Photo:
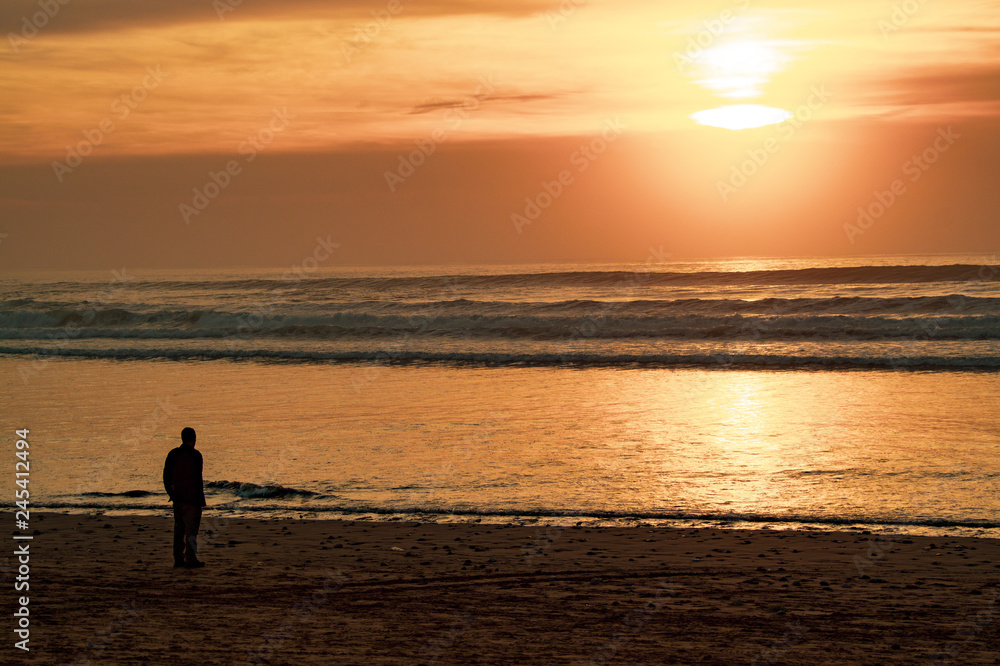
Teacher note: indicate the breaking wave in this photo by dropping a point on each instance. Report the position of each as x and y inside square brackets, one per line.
[944, 318]
[254, 491]
[717, 360]
[578, 317]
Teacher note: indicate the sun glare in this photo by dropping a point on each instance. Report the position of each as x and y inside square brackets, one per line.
[741, 116]
[739, 69]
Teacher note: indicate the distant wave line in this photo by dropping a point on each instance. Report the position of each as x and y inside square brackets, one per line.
[720, 360]
[787, 276]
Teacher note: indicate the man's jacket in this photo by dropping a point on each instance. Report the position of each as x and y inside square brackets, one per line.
[183, 471]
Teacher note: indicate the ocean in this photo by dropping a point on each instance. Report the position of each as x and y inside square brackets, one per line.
[852, 393]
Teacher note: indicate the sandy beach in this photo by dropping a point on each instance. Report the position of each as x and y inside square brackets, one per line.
[103, 591]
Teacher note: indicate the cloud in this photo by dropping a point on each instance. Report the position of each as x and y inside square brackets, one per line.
[943, 86]
[465, 101]
[104, 15]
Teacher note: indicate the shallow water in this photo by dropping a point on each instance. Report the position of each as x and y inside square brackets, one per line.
[896, 450]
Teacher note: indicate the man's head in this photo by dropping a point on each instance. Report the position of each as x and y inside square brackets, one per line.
[188, 436]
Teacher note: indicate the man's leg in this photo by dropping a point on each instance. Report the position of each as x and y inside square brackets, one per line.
[192, 520]
[178, 533]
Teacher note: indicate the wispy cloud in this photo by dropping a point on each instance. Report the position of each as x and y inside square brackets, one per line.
[463, 102]
[108, 15]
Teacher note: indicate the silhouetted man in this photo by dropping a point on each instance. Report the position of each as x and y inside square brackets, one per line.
[183, 482]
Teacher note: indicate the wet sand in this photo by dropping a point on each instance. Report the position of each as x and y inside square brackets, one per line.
[103, 591]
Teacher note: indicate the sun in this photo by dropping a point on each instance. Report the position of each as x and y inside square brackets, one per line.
[741, 116]
[740, 70]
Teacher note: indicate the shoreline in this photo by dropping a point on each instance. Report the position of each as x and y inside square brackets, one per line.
[952, 529]
[331, 591]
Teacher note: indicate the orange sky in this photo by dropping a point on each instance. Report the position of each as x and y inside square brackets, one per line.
[544, 131]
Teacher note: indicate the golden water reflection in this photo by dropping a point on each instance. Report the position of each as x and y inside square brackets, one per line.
[595, 440]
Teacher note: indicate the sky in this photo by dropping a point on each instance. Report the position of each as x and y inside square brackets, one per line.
[205, 134]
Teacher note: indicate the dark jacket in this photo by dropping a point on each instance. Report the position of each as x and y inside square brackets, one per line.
[182, 470]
